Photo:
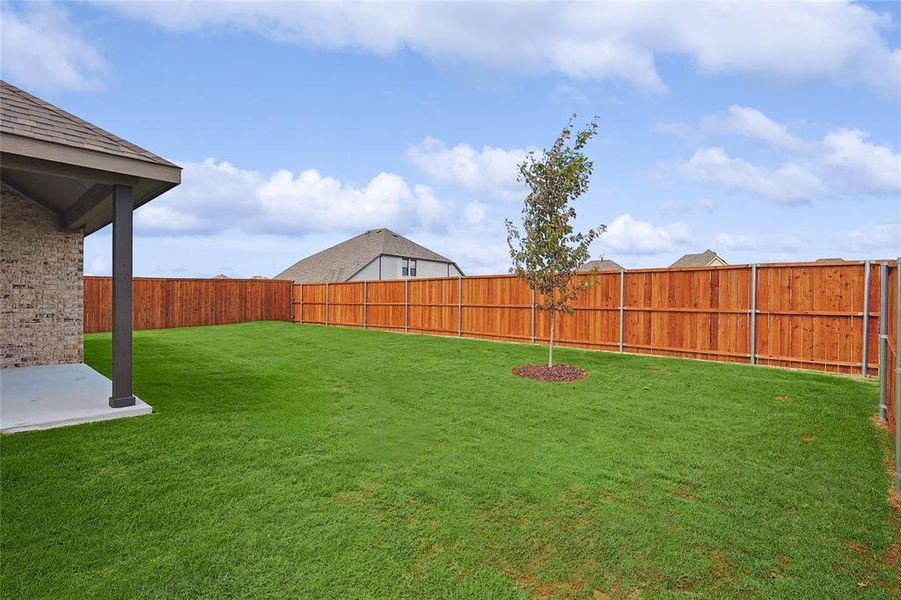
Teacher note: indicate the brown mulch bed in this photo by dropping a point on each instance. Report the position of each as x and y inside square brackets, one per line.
[560, 372]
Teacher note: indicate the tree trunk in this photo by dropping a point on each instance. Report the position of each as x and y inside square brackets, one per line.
[550, 346]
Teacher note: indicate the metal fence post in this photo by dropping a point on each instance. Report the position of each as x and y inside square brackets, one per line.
[898, 385]
[866, 318]
[365, 293]
[406, 304]
[752, 315]
[622, 308]
[883, 340]
[460, 306]
[326, 303]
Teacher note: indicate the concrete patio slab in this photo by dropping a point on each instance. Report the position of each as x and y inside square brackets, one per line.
[57, 395]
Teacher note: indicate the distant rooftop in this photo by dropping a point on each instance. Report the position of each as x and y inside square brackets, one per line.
[601, 265]
[342, 261]
[701, 259]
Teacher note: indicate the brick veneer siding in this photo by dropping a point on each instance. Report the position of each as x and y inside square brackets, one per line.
[41, 285]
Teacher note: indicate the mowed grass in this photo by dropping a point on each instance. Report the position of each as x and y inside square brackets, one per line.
[287, 460]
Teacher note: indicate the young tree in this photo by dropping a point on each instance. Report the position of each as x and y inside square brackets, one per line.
[547, 254]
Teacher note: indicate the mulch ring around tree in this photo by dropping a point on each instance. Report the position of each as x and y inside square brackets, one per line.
[560, 372]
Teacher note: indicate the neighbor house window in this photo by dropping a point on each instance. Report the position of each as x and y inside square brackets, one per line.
[409, 267]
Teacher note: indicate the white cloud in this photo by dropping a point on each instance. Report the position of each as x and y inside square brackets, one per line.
[98, 265]
[42, 50]
[871, 238]
[474, 214]
[861, 166]
[477, 254]
[843, 162]
[750, 122]
[840, 41]
[781, 243]
[791, 182]
[490, 170]
[214, 197]
[628, 235]
[686, 208]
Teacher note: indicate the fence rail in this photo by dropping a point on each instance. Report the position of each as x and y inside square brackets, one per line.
[161, 303]
[819, 316]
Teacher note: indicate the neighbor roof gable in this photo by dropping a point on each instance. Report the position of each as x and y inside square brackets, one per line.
[342, 261]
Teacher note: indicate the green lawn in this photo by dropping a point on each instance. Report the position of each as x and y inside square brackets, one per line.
[288, 460]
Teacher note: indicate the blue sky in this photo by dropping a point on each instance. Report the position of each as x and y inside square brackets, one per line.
[767, 132]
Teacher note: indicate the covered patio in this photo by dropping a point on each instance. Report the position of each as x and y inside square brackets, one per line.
[62, 179]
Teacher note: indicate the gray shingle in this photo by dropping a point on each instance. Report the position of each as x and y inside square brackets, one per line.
[28, 116]
[601, 265]
[701, 259]
[342, 261]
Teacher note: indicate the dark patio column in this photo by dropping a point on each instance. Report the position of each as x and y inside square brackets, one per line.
[122, 230]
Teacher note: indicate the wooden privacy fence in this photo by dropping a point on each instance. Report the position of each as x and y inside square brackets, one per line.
[161, 303]
[821, 316]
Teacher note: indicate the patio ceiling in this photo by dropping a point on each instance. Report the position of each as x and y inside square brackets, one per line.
[70, 166]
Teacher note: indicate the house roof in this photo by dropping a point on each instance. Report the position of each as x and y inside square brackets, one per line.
[701, 259]
[71, 166]
[28, 116]
[601, 265]
[342, 261]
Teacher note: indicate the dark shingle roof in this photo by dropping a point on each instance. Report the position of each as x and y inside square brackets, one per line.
[342, 261]
[601, 265]
[701, 259]
[28, 116]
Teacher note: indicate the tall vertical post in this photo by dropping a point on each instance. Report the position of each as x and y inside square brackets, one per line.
[622, 309]
[365, 294]
[752, 315]
[532, 326]
[406, 304]
[898, 384]
[300, 293]
[459, 306]
[326, 303]
[123, 205]
[866, 318]
[883, 341]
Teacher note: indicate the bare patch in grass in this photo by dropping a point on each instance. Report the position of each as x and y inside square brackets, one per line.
[685, 490]
[358, 496]
[784, 399]
[808, 438]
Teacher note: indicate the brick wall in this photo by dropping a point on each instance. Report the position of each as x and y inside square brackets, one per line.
[41, 285]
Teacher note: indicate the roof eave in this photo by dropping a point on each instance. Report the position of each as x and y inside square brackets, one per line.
[64, 154]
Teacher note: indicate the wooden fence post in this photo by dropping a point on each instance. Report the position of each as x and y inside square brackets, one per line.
[365, 293]
[752, 314]
[883, 340]
[866, 318]
[406, 304]
[532, 335]
[460, 306]
[622, 308]
[326, 303]
[301, 301]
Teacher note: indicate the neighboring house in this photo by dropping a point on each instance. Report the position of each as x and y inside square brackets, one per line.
[63, 179]
[376, 254]
[707, 258]
[600, 265]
